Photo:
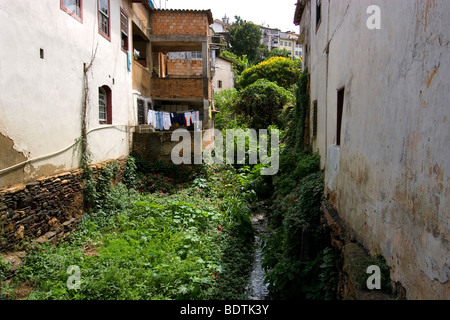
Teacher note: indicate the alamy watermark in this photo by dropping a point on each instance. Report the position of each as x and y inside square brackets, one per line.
[74, 280]
[374, 20]
[374, 281]
[236, 151]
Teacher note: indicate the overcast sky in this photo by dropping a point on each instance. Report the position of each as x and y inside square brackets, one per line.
[275, 13]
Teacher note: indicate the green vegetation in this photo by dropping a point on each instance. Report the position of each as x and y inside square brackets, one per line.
[283, 71]
[361, 266]
[297, 256]
[275, 52]
[194, 243]
[171, 232]
[245, 39]
[262, 102]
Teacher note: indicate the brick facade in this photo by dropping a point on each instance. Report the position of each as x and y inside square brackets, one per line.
[184, 67]
[174, 88]
[180, 22]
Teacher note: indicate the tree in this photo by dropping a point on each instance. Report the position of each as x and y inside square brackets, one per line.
[239, 63]
[225, 102]
[245, 39]
[283, 71]
[262, 102]
[275, 52]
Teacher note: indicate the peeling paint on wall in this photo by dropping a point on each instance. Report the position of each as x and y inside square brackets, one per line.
[10, 156]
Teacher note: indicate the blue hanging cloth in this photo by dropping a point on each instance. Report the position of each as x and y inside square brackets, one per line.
[129, 61]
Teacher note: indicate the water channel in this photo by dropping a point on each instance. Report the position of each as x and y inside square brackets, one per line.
[257, 289]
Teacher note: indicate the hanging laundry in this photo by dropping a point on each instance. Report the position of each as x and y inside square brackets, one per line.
[166, 120]
[173, 118]
[196, 120]
[129, 61]
[159, 121]
[151, 118]
[181, 119]
[188, 116]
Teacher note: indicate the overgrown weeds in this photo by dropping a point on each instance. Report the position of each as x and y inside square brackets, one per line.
[144, 243]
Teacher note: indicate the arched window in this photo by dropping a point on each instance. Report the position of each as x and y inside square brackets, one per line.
[104, 105]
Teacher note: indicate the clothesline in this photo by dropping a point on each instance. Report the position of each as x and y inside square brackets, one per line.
[162, 120]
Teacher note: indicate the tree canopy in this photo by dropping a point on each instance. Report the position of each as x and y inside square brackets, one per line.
[245, 39]
[262, 101]
[283, 71]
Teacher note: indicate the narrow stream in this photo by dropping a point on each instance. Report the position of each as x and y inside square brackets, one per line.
[257, 289]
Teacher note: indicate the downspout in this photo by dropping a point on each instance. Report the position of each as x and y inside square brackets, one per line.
[327, 50]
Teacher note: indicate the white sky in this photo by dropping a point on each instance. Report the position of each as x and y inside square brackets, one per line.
[275, 13]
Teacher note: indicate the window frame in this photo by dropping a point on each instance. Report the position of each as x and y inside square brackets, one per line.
[141, 111]
[100, 31]
[318, 13]
[79, 18]
[127, 45]
[339, 114]
[108, 106]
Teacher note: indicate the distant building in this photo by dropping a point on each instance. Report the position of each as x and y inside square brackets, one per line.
[270, 37]
[223, 74]
[220, 32]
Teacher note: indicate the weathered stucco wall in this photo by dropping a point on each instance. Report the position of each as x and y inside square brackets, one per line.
[41, 99]
[390, 177]
[224, 73]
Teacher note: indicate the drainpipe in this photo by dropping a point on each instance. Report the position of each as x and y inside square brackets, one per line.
[327, 50]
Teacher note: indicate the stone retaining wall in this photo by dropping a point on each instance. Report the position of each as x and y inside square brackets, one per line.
[46, 209]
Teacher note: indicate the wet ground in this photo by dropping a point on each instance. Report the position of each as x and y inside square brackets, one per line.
[258, 289]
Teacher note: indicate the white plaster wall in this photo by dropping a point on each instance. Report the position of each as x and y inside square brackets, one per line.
[41, 99]
[392, 185]
[224, 73]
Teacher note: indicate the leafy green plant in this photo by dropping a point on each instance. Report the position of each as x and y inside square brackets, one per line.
[361, 275]
[284, 72]
[262, 101]
[151, 246]
[130, 172]
[153, 182]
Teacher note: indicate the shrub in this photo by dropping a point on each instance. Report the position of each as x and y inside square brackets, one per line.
[282, 71]
[262, 102]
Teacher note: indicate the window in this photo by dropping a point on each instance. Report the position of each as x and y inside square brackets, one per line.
[73, 8]
[141, 111]
[219, 83]
[196, 55]
[340, 110]
[103, 19]
[290, 44]
[104, 105]
[315, 119]
[318, 13]
[124, 30]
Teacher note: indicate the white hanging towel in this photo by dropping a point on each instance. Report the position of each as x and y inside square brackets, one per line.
[196, 120]
[167, 123]
[151, 118]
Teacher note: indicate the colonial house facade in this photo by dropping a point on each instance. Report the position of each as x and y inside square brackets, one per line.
[223, 77]
[61, 54]
[107, 56]
[72, 71]
[379, 91]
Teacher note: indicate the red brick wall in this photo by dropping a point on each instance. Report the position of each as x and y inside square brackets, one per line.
[184, 67]
[180, 23]
[177, 88]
